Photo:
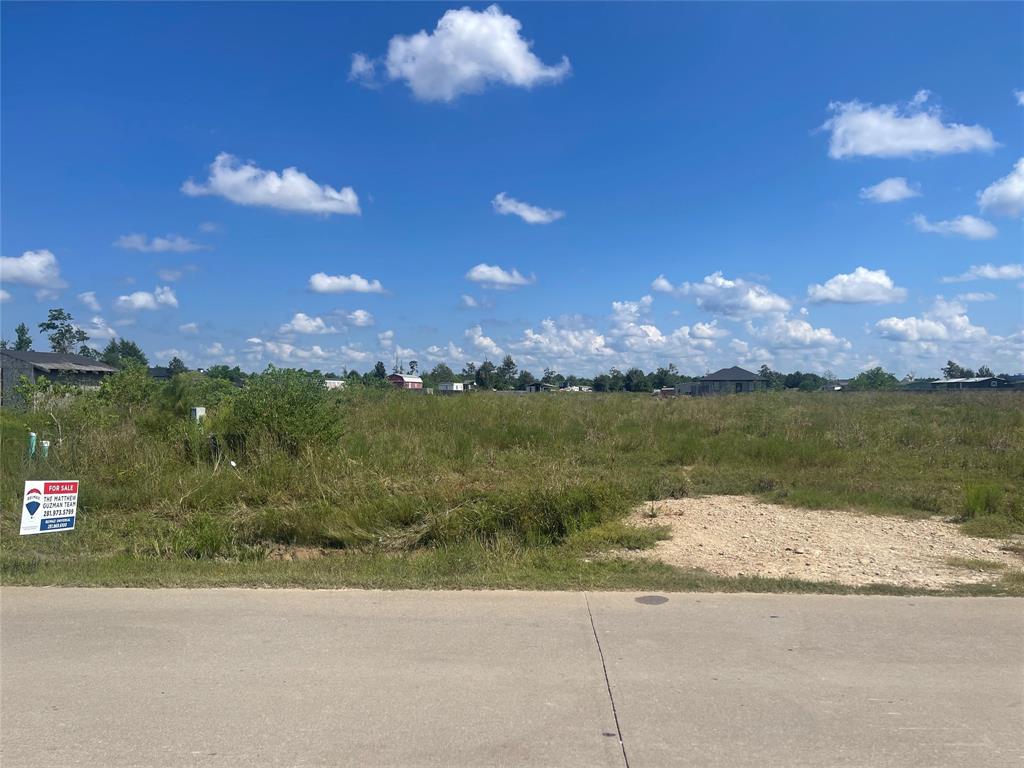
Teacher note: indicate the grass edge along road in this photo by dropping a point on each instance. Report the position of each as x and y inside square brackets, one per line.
[397, 490]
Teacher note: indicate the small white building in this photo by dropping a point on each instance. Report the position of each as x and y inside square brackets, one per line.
[334, 383]
[450, 387]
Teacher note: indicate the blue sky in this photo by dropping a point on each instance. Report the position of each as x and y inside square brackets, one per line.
[580, 186]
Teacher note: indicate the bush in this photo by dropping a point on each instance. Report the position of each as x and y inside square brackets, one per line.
[292, 407]
[981, 499]
[187, 390]
[129, 389]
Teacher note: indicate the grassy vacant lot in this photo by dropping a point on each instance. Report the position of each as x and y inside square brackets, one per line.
[481, 490]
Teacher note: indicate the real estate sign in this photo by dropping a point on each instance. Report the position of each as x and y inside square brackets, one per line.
[49, 506]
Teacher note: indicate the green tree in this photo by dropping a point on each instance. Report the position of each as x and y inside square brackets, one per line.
[616, 380]
[61, 331]
[176, 366]
[235, 375]
[485, 375]
[954, 371]
[985, 371]
[24, 341]
[775, 380]
[506, 373]
[524, 379]
[441, 372]
[636, 381]
[379, 371]
[876, 378]
[469, 372]
[123, 352]
[414, 366]
[664, 377]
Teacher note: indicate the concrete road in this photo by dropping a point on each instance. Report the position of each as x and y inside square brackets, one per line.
[250, 678]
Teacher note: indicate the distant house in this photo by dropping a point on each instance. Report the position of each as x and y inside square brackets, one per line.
[78, 370]
[160, 373]
[405, 381]
[665, 392]
[837, 385]
[917, 385]
[540, 386]
[977, 382]
[450, 387]
[728, 381]
[576, 388]
[335, 383]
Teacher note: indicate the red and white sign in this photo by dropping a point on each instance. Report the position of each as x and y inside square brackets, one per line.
[49, 506]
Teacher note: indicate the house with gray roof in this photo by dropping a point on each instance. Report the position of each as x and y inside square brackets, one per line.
[77, 370]
[726, 381]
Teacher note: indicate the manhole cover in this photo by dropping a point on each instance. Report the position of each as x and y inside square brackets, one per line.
[652, 599]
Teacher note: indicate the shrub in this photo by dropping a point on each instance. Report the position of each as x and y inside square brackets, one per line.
[981, 499]
[128, 389]
[292, 407]
[187, 390]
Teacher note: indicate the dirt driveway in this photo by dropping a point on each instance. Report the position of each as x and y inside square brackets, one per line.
[740, 535]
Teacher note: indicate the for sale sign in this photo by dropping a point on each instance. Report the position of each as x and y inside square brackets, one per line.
[49, 505]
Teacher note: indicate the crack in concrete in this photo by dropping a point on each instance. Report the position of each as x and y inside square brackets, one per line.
[607, 682]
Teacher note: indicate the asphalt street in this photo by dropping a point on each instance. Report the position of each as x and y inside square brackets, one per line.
[232, 677]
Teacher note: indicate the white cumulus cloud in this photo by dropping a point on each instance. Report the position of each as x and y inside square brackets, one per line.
[731, 298]
[162, 296]
[945, 321]
[99, 329]
[189, 328]
[495, 277]
[452, 353]
[36, 268]
[890, 190]
[988, 272]
[482, 343]
[531, 214]
[1005, 196]
[4, 296]
[780, 332]
[88, 298]
[976, 296]
[303, 323]
[363, 70]
[169, 243]
[967, 226]
[467, 51]
[862, 286]
[564, 343]
[324, 283]
[290, 190]
[899, 130]
[359, 318]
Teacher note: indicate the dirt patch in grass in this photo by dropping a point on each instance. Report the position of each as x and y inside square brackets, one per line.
[742, 536]
[286, 552]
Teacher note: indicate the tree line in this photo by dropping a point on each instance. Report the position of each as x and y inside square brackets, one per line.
[66, 337]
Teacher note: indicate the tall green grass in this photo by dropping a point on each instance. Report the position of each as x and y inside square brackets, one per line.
[397, 472]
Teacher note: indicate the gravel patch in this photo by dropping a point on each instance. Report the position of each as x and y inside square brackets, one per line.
[742, 536]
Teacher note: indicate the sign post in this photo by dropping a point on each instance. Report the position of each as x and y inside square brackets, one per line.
[49, 506]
